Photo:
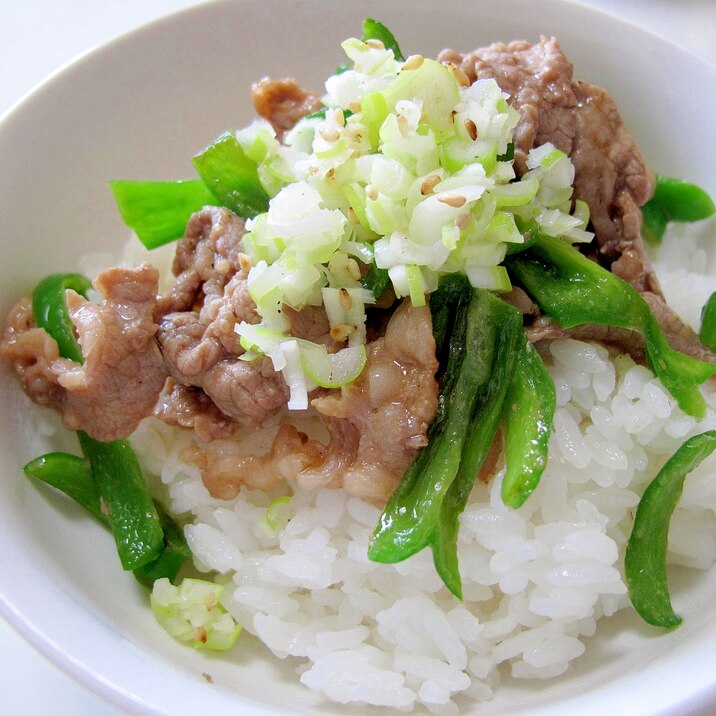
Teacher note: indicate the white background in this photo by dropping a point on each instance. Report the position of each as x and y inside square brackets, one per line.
[39, 36]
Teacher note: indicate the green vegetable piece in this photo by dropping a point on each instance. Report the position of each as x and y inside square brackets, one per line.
[50, 310]
[674, 200]
[707, 332]
[72, 475]
[173, 555]
[158, 211]
[191, 612]
[408, 522]
[114, 466]
[574, 290]
[501, 330]
[528, 415]
[130, 510]
[375, 30]
[509, 155]
[232, 177]
[476, 335]
[645, 559]
[376, 280]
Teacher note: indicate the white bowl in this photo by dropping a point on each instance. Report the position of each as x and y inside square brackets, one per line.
[140, 108]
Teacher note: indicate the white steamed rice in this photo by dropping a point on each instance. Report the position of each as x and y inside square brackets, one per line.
[535, 580]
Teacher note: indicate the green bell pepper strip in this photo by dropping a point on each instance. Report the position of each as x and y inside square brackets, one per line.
[69, 474]
[232, 177]
[707, 331]
[528, 418]
[645, 559]
[674, 200]
[130, 510]
[478, 334]
[574, 290]
[408, 522]
[173, 556]
[158, 211]
[375, 30]
[500, 333]
[73, 476]
[376, 280]
[50, 310]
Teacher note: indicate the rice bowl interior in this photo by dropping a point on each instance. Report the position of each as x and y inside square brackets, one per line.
[97, 627]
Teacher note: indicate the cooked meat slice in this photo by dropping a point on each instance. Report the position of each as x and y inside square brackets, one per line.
[192, 408]
[225, 466]
[246, 391]
[283, 102]
[390, 406]
[207, 257]
[310, 323]
[123, 372]
[611, 176]
[538, 79]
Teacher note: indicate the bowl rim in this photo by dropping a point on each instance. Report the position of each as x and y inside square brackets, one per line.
[21, 619]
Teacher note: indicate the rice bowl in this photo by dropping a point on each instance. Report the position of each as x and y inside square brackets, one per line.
[214, 668]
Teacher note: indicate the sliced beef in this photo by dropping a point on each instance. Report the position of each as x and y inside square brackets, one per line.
[192, 408]
[248, 392]
[389, 408]
[283, 102]
[123, 371]
[538, 79]
[610, 173]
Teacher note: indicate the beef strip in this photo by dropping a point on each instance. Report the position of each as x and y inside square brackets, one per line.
[197, 321]
[610, 172]
[376, 425]
[123, 372]
[283, 102]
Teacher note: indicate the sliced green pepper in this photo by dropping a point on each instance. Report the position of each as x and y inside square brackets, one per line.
[232, 177]
[528, 414]
[674, 200]
[501, 329]
[69, 474]
[476, 335]
[375, 30]
[129, 508]
[50, 310]
[707, 332]
[645, 559]
[158, 211]
[574, 290]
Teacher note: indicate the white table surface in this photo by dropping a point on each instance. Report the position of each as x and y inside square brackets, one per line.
[42, 35]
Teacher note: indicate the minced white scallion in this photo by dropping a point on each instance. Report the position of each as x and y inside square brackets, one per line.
[408, 171]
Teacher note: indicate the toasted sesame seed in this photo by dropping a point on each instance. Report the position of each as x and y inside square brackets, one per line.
[371, 192]
[244, 262]
[413, 62]
[471, 128]
[352, 216]
[462, 221]
[354, 106]
[353, 268]
[330, 173]
[454, 200]
[330, 135]
[223, 266]
[429, 183]
[340, 117]
[345, 299]
[200, 634]
[460, 77]
[341, 331]
[375, 44]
